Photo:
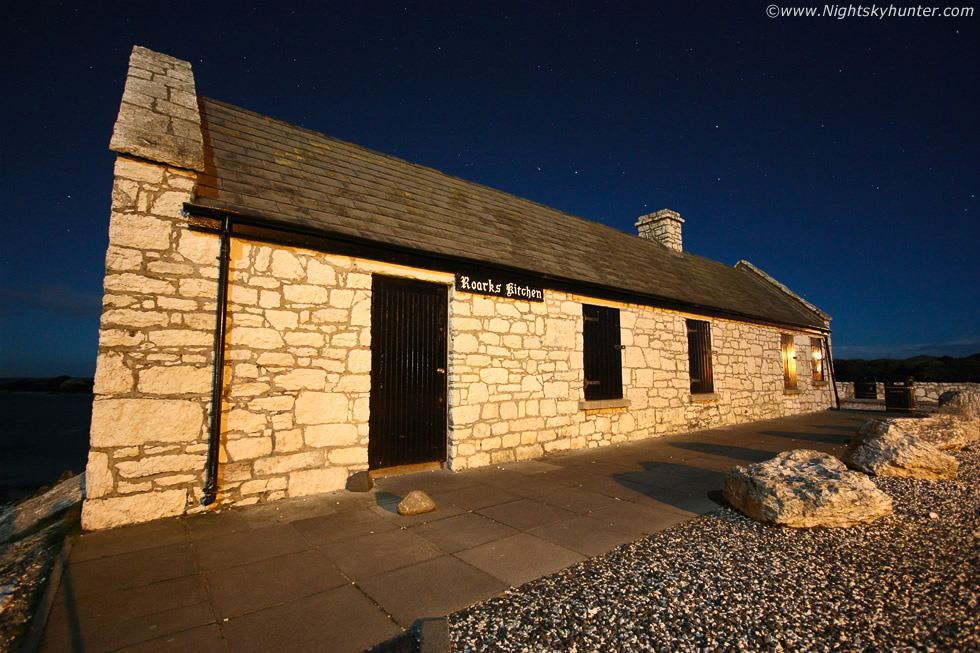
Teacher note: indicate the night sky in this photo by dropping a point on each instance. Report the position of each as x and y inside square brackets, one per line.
[838, 155]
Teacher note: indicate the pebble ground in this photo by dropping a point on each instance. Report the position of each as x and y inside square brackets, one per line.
[723, 582]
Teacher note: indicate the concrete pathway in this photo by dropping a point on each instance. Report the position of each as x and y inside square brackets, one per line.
[343, 571]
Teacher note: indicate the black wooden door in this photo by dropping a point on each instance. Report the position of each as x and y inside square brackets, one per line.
[408, 372]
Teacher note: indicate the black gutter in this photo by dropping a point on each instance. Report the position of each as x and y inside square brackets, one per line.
[833, 374]
[264, 228]
[218, 374]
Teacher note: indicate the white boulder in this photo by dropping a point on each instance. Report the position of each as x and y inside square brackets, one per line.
[960, 402]
[805, 489]
[882, 448]
[942, 430]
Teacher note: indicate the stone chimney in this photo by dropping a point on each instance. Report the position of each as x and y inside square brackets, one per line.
[664, 227]
[158, 117]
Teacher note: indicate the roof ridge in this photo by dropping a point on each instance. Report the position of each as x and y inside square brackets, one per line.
[777, 285]
[442, 173]
[297, 176]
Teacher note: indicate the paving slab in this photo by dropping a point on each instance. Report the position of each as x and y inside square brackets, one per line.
[285, 511]
[214, 524]
[343, 571]
[342, 620]
[525, 485]
[86, 627]
[441, 479]
[434, 587]
[648, 518]
[525, 514]
[520, 558]
[99, 544]
[575, 499]
[340, 526]
[569, 476]
[587, 535]
[699, 503]
[377, 553]
[474, 497]
[246, 546]
[663, 474]
[125, 570]
[239, 590]
[611, 487]
[530, 467]
[463, 531]
[144, 600]
[202, 638]
[600, 467]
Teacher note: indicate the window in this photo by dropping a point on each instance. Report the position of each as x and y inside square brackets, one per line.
[789, 362]
[603, 357]
[699, 356]
[817, 353]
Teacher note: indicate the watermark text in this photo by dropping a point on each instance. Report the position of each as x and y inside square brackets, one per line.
[841, 12]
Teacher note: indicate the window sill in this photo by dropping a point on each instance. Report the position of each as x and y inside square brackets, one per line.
[819, 384]
[600, 404]
[704, 397]
[788, 392]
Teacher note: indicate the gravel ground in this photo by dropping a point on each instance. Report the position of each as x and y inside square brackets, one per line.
[907, 582]
[24, 566]
[42, 522]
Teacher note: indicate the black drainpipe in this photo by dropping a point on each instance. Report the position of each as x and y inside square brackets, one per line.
[218, 374]
[833, 373]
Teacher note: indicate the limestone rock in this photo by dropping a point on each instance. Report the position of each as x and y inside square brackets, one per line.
[805, 489]
[960, 402]
[26, 514]
[943, 431]
[360, 482]
[882, 448]
[416, 503]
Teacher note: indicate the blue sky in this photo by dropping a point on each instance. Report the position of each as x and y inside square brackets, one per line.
[838, 155]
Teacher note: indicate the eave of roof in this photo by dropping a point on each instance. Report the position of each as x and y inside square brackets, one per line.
[305, 182]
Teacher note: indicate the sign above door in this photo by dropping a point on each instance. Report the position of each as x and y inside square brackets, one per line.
[494, 286]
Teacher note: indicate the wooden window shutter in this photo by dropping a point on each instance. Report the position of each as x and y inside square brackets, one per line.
[603, 353]
[699, 356]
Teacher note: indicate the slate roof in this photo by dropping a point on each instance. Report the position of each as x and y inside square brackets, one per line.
[263, 167]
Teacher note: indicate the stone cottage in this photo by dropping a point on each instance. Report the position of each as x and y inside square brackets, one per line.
[283, 310]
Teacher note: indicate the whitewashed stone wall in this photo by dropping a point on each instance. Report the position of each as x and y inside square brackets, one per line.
[924, 391]
[517, 375]
[297, 377]
[152, 379]
[296, 399]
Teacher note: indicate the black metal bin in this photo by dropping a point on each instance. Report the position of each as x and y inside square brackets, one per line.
[900, 395]
[865, 390]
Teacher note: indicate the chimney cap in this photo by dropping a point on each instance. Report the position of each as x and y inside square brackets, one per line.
[664, 227]
[656, 216]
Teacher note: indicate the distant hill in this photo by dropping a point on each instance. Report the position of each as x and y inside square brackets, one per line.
[942, 369]
[61, 384]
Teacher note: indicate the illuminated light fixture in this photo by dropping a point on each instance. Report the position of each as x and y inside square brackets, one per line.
[817, 353]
